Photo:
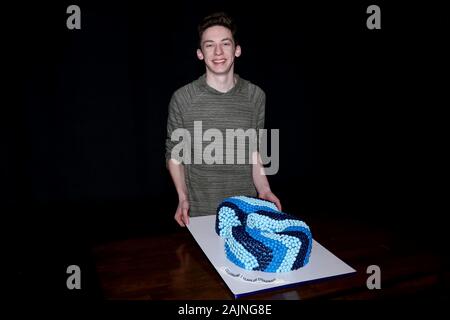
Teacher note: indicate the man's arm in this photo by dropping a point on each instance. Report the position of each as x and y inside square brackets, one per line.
[173, 164]
[176, 170]
[260, 181]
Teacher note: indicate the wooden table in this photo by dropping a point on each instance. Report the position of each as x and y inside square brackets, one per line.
[171, 266]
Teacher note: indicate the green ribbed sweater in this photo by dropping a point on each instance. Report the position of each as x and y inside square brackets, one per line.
[242, 107]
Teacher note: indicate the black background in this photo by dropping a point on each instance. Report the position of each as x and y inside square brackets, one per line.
[357, 111]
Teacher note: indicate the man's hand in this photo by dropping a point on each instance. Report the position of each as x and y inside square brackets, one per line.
[182, 214]
[269, 196]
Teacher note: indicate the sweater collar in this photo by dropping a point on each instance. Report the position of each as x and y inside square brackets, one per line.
[206, 87]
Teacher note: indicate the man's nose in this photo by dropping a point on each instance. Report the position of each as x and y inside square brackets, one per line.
[218, 50]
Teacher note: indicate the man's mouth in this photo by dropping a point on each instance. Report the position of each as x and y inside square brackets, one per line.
[220, 61]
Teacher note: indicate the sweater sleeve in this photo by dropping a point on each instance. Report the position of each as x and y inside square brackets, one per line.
[174, 121]
[260, 110]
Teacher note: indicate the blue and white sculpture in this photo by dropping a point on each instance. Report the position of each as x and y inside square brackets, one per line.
[260, 237]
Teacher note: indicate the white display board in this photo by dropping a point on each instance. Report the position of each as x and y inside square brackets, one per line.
[322, 263]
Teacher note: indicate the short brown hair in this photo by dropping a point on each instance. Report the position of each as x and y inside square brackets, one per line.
[217, 19]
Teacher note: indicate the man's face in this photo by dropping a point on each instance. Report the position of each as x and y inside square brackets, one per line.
[218, 50]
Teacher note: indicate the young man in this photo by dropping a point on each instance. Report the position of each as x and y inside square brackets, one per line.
[218, 100]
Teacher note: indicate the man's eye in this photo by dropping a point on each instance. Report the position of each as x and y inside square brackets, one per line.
[208, 45]
[226, 44]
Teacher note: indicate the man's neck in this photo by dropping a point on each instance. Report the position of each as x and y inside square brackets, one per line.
[222, 83]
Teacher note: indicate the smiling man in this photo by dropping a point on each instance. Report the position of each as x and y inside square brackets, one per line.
[219, 100]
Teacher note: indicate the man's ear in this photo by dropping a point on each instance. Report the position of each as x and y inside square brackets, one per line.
[238, 51]
[200, 54]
